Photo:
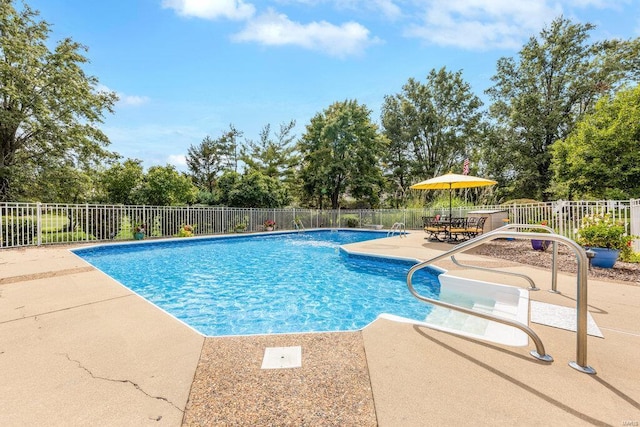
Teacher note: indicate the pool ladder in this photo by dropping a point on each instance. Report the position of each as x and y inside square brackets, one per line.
[397, 226]
[504, 232]
[298, 225]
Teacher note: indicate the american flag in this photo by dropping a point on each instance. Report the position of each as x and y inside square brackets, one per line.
[465, 167]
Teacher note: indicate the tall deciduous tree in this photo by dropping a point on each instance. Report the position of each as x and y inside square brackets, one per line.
[601, 158]
[122, 180]
[341, 152]
[431, 127]
[254, 190]
[539, 97]
[165, 186]
[48, 106]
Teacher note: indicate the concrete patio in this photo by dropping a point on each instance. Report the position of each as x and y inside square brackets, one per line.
[77, 348]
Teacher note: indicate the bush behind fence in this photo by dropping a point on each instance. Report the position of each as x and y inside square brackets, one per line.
[25, 224]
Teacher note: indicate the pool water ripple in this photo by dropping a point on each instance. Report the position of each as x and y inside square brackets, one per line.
[281, 283]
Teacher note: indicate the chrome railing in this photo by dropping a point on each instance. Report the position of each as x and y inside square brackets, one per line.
[397, 227]
[298, 225]
[581, 304]
[532, 284]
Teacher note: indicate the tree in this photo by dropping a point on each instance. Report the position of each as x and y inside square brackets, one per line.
[273, 158]
[431, 127]
[49, 107]
[122, 180]
[57, 180]
[227, 183]
[165, 186]
[341, 152]
[255, 190]
[212, 157]
[539, 98]
[63, 183]
[600, 158]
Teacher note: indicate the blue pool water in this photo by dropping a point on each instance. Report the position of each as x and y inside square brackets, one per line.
[262, 284]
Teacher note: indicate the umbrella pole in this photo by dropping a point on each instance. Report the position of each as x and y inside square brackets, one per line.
[450, 209]
[450, 214]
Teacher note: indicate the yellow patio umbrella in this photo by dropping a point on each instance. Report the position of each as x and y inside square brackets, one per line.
[452, 181]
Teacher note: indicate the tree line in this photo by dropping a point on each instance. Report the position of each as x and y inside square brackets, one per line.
[563, 123]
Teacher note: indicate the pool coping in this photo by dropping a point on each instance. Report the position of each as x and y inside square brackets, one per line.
[135, 365]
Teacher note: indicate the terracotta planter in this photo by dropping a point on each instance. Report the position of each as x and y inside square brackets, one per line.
[540, 245]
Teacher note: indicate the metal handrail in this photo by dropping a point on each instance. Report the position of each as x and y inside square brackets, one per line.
[297, 224]
[532, 284]
[397, 226]
[581, 301]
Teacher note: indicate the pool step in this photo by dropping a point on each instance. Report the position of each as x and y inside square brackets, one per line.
[500, 300]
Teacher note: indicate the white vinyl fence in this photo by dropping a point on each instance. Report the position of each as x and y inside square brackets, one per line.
[635, 223]
[25, 224]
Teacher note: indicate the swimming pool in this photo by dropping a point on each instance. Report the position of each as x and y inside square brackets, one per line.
[264, 284]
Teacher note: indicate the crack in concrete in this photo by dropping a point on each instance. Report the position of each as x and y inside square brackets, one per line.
[35, 316]
[45, 275]
[135, 385]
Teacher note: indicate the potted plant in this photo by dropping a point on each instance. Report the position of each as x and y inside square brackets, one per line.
[269, 224]
[604, 236]
[139, 231]
[539, 244]
[186, 230]
[240, 227]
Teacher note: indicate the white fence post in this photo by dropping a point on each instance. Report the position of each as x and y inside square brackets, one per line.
[635, 222]
[39, 222]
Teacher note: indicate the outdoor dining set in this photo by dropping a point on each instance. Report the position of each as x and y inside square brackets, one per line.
[446, 229]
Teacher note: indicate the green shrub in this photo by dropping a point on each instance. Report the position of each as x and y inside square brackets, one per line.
[68, 236]
[628, 255]
[352, 222]
[17, 231]
[601, 231]
[186, 230]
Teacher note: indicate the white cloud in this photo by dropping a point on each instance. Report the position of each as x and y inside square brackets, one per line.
[594, 3]
[478, 24]
[388, 8]
[482, 24]
[177, 160]
[124, 99]
[276, 29]
[132, 100]
[212, 9]
[151, 143]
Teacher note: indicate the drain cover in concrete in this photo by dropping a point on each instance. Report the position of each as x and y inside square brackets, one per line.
[282, 357]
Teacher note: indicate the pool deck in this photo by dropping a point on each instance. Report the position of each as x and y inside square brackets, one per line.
[77, 348]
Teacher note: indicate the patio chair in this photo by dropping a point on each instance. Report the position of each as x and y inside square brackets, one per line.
[458, 230]
[467, 228]
[435, 228]
[475, 228]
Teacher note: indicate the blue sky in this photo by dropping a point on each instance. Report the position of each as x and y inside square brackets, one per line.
[185, 69]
